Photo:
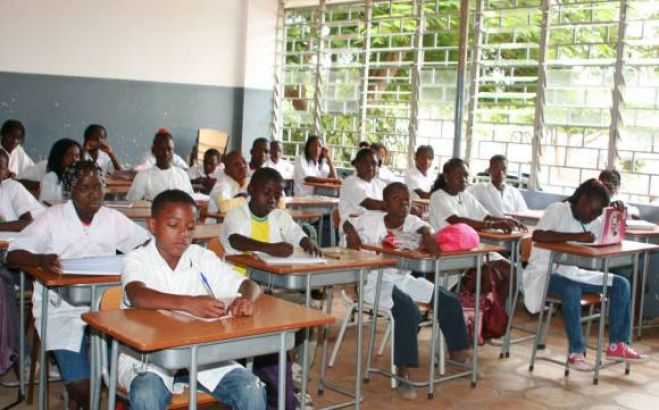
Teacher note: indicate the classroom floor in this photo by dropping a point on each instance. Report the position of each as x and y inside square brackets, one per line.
[505, 384]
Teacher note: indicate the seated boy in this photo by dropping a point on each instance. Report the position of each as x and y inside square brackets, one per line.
[611, 179]
[164, 175]
[229, 189]
[79, 228]
[420, 177]
[400, 291]
[285, 168]
[206, 174]
[497, 197]
[167, 273]
[259, 154]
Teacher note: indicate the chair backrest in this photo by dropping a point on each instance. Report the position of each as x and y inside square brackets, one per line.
[111, 299]
[208, 138]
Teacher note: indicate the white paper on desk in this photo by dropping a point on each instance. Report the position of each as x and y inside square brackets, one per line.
[8, 236]
[198, 196]
[640, 225]
[119, 204]
[103, 265]
[297, 258]
[187, 315]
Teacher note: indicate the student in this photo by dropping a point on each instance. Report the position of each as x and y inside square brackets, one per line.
[400, 291]
[364, 144]
[56, 184]
[275, 161]
[361, 191]
[418, 178]
[149, 160]
[168, 273]
[230, 189]
[314, 166]
[206, 174]
[150, 182]
[384, 173]
[13, 136]
[259, 225]
[98, 150]
[575, 220]
[611, 180]
[78, 228]
[497, 197]
[259, 154]
[17, 206]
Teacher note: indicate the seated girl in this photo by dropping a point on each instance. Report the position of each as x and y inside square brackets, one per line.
[314, 166]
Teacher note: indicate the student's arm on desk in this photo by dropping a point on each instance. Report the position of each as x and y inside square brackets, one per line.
[245, 244]
[353, 241]
[48, 262]
[244, 305]
[553, 236]
[490, 222]
[17, 226]
[428, 242]
[141, 296]
[322, 180]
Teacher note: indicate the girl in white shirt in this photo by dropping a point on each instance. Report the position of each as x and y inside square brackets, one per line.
[575, 220]
[314, 166]
[13, 135]
[384, 173]
[361, 191]
[612, 179]
[419, 178]
[206, 173]
[78, 228]
[97, 149]
[17, 205]
[55, 185]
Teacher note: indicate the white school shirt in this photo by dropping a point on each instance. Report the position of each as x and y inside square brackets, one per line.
[371, 229]
[387, 176]
[498, 203]
[15, 200]
[19, 160]
[34, 172]
[354, 191]
[414, 180]
[303, 169]
[146, 265]
[225, 188]
[557, 217]
[285, 168]
[58, 230]
[51, 188]
[197, 171]
[149, 160]
[152, 181]
[103, 161]
[282, 227]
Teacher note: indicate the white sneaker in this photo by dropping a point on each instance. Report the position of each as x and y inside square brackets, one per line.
[307, 401]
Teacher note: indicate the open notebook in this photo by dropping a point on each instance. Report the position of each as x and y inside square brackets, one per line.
[612, 230]
[103, 265]
[641, 225]
[297, 258]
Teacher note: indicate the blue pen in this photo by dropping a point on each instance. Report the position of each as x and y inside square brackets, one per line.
[207, 285]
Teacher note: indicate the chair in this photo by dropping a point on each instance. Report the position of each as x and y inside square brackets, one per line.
[208, 138]
[111, 300]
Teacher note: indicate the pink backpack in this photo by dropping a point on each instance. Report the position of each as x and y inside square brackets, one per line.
[457, 237]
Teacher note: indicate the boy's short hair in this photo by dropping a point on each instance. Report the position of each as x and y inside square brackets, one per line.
[610, 175]
[391, 188]
[212, 151]
[162, 133]
[92, 130]
[424, 148]
[170, 196]
[11, 125]
[263, 175]
[260, 140]
[498, 158]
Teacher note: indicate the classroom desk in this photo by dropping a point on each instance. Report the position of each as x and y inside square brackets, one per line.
[600, 258]
[344, 266]
[423, 262]
[646, 236]
[528, 217]
[75, 289]
[175, 341]
[323, 204]
[325, 188]
[206, 232]
[295, 214]
[116, 192]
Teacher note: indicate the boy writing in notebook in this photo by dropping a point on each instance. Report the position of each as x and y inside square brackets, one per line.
[171, 273]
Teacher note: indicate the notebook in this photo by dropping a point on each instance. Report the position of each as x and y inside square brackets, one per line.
[103, 265]
[612, 230]
[297, 258]
[641, 225]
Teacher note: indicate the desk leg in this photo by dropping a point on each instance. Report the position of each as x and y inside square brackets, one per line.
[633, 304]
[433, 338]
[114, 371]
[332, 230]
[321, 223]
[646, 262]
[360, 335]
[21, 335]
[474, 352]
[329, 294]
[541, 313]
[281, 392]
[600, 334]
[93, 358]
[43, 373]
[192, 405]
[305, 347]
[374, 324]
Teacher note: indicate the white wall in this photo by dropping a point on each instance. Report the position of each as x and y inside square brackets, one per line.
[178, 41]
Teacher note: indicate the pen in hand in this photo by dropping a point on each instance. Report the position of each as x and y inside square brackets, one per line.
[207, 285]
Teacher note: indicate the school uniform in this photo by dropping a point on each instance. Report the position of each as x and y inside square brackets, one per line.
[414, 180]
[51, 188]
[568, 281]
[498, 203]
[197, 171]
[387, 176]
[223, 194]
[34, 172]
[18, 160]
[146, 265]
[285, 168]
[400, 291]
[354, 191]
[149, 160]
[152, 181]
[15, 201]
[103, 161]
[303, 169]
[58, 230]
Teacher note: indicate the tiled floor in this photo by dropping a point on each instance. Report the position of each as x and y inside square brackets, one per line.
[505, 384]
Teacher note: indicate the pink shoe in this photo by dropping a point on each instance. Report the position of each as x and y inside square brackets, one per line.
[622, 352]
[577, 361]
